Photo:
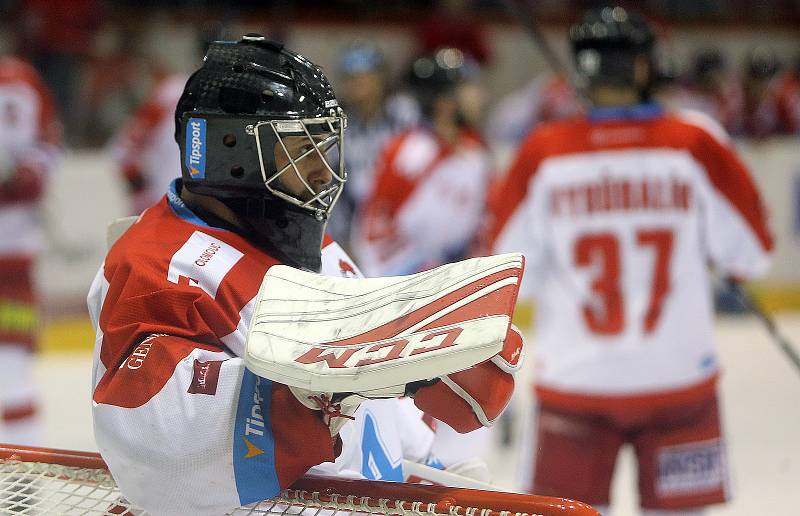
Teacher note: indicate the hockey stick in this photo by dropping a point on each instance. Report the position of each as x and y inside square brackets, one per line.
[751, 305]
[415, 472]
[522, 12]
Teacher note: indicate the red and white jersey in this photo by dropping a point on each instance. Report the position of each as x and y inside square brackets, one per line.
[145, 148]
[384, 432]
[184, 427]
[375, 443]
[426, 205]
[618, 216]
[30, 139]
[544, 99]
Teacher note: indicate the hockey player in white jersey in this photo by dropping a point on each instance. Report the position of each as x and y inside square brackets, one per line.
[144, 148]
[618, 214]
[30, 153]
[375, 114]
[430, 182]
[180, 306]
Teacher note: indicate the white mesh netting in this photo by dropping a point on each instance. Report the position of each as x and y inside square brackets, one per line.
[54, 489]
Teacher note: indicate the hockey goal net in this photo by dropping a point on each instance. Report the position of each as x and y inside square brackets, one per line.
[59, 482]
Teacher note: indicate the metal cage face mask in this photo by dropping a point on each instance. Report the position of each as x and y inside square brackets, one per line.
[302, 161]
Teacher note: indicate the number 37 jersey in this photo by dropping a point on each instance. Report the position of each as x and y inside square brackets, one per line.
[619, 218]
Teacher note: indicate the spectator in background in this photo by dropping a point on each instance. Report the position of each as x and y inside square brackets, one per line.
[430, 180]
[144, 148]
[374, 114]
[789, 98]
[763, 114]
[454, 23]
[30, 140]
[117, 78]
[59, 38]
[711, 88]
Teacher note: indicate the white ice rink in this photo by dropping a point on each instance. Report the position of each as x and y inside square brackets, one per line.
[761, 410]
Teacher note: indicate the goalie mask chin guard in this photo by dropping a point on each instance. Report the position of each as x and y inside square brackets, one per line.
[261, 130]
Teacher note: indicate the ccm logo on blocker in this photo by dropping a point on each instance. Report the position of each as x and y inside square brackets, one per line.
[375, 353]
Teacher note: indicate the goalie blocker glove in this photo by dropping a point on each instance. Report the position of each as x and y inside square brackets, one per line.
[465, 400]
[443, 336]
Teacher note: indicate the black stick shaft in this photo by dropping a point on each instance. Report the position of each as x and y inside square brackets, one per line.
[521, 11]
[752, 305]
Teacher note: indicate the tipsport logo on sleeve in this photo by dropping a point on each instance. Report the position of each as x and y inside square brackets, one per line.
[195, 159]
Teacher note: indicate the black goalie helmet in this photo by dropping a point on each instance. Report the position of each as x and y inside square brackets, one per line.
[606, 44]
[261, 130]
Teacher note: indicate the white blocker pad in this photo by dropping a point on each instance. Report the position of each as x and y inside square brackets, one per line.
[333, 334]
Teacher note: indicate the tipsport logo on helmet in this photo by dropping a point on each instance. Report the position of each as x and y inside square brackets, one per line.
[195, 158]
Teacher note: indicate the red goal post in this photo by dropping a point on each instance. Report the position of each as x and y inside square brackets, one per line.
[51, 481]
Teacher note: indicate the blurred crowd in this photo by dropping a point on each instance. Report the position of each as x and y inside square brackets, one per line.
[112, 90]
[96, 58]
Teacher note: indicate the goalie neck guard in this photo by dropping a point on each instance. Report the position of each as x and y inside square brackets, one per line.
[256, 125]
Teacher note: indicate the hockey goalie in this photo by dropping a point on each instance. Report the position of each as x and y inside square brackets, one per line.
[225, 365]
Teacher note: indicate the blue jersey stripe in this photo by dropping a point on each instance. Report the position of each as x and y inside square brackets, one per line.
[636, 112]
[253, 442]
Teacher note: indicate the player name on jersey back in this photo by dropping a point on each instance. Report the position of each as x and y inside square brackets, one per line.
[611, 194]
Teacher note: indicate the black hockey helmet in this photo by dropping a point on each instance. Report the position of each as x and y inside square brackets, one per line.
[439, 74]
[761, 63]
[237, 113]
[708, 60]
[606, 44]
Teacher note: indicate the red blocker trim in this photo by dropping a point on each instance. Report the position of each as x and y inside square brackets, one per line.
[397, 326]
[488, 386]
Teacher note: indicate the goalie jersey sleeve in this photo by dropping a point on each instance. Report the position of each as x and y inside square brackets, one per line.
[618, 219]
[183, 426]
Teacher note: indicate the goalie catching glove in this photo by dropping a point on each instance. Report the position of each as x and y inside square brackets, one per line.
[475, 397]
[337, 341]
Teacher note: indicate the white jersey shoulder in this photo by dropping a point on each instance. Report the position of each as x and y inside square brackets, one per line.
[705, 122]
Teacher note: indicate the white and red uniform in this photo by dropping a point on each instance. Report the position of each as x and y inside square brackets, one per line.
[145, 148]
[618, 215]
[544, 99]
[426, 204]
[384, 432]
[30, 142]
[184, 427]
[30, 139]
